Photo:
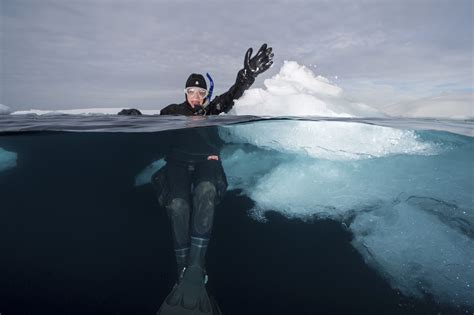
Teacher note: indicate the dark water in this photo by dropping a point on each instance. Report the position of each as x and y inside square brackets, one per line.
[77, 237]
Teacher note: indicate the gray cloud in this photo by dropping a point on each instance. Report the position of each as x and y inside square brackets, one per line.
[58, 54]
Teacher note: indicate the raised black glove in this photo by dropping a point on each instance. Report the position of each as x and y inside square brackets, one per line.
[260, 62]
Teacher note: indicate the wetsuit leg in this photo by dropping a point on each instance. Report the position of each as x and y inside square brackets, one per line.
[179, 208]
[204, 199]
[208, 179]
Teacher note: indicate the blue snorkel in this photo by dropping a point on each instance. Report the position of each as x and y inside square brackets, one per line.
[211, 88]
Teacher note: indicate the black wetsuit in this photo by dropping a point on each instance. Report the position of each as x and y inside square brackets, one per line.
[220, 104]
[191, 147]
[190, 182]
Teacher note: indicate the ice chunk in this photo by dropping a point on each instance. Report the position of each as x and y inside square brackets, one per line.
[328, 140]
[406, 196]
[417, 253]
[144, 177]
[411, 214]
[7, 159]
[297, 91]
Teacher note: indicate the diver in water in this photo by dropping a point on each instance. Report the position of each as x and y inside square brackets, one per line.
[193, 182]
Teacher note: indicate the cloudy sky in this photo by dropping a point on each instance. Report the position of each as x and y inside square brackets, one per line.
[138, 53]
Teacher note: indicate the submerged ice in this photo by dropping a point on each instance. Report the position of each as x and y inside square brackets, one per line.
[7, 159]
[328, 139]
[420, 252]
[405, 196]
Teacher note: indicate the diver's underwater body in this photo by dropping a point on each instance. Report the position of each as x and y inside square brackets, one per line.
[193, 182]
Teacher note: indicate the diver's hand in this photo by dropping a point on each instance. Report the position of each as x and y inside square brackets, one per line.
[213, 158]
[260, 62]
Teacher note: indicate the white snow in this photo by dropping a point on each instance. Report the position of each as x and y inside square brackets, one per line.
[7, 159]
[298, 91]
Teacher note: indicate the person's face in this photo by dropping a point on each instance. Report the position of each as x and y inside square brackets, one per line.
[195, 95]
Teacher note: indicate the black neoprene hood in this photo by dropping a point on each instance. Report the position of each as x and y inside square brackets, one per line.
[196, 80]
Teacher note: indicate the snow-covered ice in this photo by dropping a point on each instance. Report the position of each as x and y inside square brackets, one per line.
[298, 91]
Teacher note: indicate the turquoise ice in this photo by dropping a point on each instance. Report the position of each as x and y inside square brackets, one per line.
[7, 159]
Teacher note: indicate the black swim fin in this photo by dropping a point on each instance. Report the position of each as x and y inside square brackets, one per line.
[189, 296]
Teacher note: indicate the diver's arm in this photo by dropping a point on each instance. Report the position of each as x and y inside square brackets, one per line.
[225, 102]
[245, 78]
[172, 109]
